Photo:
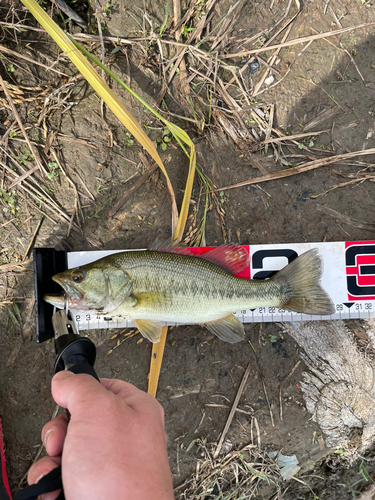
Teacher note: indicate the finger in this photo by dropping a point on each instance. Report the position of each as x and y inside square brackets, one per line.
[77, 391]
[65, 386]
[40, 469]
[70, 390]
[53, 435]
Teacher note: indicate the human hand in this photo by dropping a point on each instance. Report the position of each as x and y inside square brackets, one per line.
[114, 446]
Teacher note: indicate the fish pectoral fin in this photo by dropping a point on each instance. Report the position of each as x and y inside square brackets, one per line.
[151, 330]
[229, 329]
[125, 306]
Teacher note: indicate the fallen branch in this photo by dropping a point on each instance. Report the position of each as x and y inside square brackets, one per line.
[306, 167]
[232, 411]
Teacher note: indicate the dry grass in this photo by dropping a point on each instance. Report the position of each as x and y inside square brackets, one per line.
[237, 475]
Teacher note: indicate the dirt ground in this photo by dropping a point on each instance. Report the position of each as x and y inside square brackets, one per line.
[332, 79]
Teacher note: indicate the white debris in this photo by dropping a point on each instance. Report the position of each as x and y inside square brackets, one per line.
[288, 464]
[269, 81]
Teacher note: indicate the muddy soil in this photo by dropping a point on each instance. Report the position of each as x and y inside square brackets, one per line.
[200, 374]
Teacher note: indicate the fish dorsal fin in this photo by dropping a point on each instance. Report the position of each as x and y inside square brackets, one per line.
[151, 330]
[230, 256]
[229, 329]
[167, 246]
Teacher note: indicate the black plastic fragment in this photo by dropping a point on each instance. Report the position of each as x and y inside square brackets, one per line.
[253, 67]
[47, 262]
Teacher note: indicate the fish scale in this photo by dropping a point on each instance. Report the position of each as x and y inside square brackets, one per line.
[194, 278]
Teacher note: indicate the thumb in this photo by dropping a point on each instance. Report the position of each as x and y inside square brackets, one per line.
[71, 390]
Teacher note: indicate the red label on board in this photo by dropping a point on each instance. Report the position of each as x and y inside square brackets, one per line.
[360, 269]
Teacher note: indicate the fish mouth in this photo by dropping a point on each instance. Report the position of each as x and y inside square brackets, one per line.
[72, 296]
[56, 299]
[68, 288]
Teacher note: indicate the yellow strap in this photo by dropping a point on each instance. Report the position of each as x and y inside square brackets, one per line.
[155, 365]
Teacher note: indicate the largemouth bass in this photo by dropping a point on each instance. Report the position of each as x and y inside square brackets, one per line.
[149, 287]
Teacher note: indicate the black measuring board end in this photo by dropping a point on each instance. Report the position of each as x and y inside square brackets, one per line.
[47, 262]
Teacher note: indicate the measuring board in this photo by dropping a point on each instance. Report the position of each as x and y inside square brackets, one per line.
[348, 277]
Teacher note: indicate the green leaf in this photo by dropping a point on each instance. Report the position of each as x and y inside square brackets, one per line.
[162, 28]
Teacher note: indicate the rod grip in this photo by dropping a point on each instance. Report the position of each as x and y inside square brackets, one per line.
[83, 367]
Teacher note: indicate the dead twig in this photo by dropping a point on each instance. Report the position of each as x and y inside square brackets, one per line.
[297, 41]
[325, 115]
[28, 59]
[282, 382]
[359, 180]
[232, 411]
[91, 196]
[271, 62]
[20, 124]
[258, 430]
[132, 190]
[70, 13]
[214, 405]
[268, 402]
[270, 40]
[306, 167]
[270, 125]
[180, 55]
[310, 80]
[343, 49]
[39, 195]
[23, 177]
[350, 221]
[33, 238]
[15, 265]
[293, 137]
[183, 71]
[77, 203]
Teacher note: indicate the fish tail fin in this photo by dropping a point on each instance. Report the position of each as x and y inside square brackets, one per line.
[300, 285]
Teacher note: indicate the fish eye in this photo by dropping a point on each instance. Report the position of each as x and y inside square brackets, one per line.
[78, 276]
